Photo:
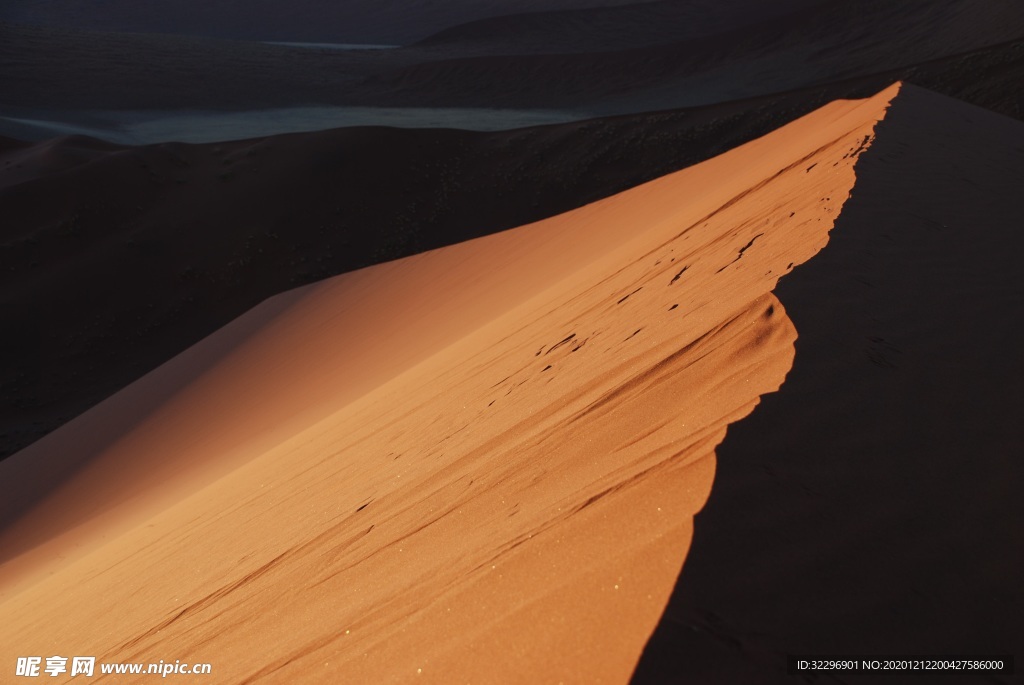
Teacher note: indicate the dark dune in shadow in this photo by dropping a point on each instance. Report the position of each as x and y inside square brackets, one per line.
[873, 504]
[74, 69]
[827, 43]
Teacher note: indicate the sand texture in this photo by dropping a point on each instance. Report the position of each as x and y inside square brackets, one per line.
[478, 464]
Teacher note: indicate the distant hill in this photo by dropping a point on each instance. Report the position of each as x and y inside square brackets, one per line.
[586, 70]
[826, 43]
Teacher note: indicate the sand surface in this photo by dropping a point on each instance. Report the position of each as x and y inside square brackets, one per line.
[479, 464]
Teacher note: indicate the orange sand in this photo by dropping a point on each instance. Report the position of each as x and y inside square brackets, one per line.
[479, 464]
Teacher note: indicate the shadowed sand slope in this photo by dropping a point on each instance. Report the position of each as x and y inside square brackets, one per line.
[874, 504]
[478, 464]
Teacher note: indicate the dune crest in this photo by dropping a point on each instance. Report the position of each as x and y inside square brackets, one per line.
[478, 464]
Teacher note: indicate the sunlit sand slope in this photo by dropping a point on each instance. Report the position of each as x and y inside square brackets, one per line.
[479, 464]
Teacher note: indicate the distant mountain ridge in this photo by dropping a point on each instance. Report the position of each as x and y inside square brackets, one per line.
[830, 41]
[475, 66]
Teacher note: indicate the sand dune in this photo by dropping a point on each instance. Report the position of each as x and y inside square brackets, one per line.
[477, 464]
